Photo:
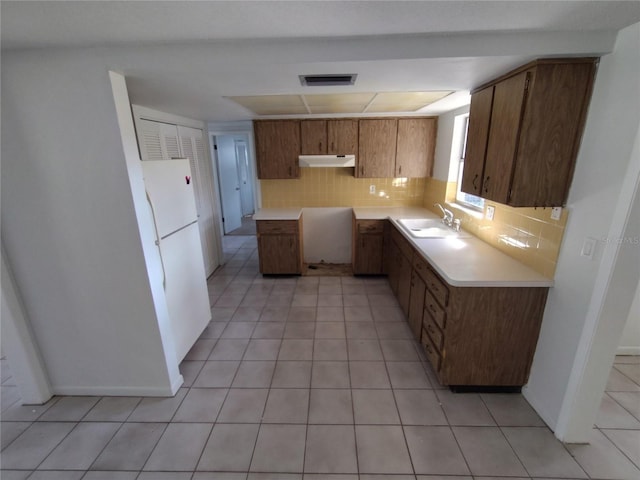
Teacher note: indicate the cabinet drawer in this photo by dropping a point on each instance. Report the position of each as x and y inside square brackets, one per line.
[436, 335]
[432, 353]
[370, 226]
[437, 288]
[277, 226]
[435, 310]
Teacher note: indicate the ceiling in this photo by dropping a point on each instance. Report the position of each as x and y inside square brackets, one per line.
[187, 57]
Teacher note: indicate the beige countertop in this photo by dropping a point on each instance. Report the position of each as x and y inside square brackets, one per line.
[461, 262]
[278, 214]
[380, 213]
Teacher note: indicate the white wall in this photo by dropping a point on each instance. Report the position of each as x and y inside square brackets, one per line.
[446, 153]
[603, 160]
[70, 230]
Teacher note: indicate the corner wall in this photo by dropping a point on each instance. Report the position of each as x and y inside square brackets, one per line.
[70, 230]
[603, 161]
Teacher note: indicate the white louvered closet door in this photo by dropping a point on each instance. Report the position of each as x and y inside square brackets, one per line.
[158, 141]
[170, 141]
[149, 139]
[193, 148]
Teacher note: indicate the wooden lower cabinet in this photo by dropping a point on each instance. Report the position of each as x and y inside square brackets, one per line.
[416, 304]
[368, 247]
[472, 336]
[280, 246]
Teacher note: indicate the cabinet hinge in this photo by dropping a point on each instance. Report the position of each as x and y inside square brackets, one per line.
[222, 219]
[215, 147]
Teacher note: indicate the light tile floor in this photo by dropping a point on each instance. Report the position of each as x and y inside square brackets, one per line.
[315, 378]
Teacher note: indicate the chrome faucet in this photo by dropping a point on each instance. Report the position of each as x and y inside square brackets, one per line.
[447, 215]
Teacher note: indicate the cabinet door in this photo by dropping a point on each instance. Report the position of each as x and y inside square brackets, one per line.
[369, 248]
[416, 304]
[477, 137]
[278, 254]
[508, 105]
[377, 148]
[313, 137]
[394, 261]
[342, 136]
[277, 148]
[404, 283]
[415, 144]
[551, 130]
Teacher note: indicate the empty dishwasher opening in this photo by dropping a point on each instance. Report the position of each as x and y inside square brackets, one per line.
[327, 241]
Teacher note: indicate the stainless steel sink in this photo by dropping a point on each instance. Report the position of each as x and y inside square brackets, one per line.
[430, 228]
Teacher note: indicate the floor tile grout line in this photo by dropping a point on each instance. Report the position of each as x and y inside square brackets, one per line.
[353, 409]
[624, 374]
[622, 406]
[637, 465]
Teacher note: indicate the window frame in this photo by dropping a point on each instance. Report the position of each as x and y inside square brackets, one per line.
[464, 199]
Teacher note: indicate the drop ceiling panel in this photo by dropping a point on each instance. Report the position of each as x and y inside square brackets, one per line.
[263, 101]
[408, 97]
[346, 108]
[355, 103]
[339, 99]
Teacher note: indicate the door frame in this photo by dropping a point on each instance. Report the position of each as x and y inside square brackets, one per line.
[605, 316]
[19, 344]
[257, 196]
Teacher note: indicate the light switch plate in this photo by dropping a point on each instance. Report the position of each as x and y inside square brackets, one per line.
[372, 189]
[588, 247]
[490, 211]
[556, 212]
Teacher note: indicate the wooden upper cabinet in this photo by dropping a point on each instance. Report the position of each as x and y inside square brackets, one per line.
[377, 148]
[551, 132]
[508, 103]
[277, 148]
[477, 136]
[313, 135]
[342, 137]
[415, 147]
[525, 130]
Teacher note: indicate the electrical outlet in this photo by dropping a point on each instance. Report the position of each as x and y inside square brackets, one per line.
[490, 211]
[372, 189]
[556, 212]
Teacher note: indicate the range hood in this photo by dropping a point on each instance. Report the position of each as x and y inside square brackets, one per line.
[327, 160]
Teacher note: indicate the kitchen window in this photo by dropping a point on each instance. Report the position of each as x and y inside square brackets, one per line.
[462, 198]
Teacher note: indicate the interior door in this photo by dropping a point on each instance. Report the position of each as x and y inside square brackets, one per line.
[229, 183]
[246, 192]
[193, 148]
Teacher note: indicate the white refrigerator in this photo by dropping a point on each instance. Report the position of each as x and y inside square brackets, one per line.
[172, 203]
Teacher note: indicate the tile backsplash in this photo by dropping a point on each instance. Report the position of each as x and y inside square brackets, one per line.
[337, 187]
[526, 234]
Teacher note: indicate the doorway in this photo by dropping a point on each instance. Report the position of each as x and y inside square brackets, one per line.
[234, 180]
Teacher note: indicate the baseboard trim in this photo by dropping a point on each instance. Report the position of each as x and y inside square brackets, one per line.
[628, 351]
[168, 391]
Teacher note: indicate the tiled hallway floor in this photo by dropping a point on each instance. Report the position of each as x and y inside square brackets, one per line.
[315, 378]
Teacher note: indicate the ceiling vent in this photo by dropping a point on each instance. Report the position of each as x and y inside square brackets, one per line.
[328, 80]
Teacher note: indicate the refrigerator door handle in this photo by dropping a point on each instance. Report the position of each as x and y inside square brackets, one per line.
[155, 226]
